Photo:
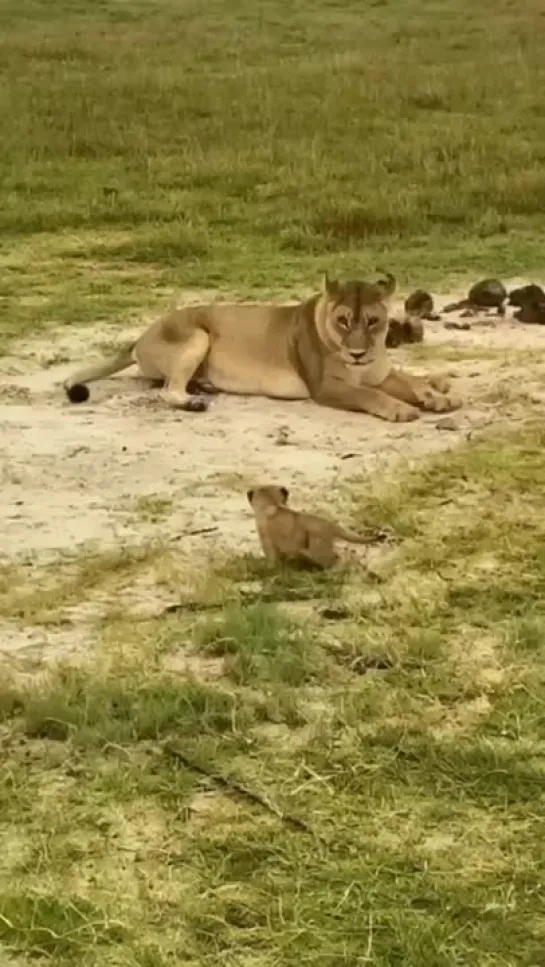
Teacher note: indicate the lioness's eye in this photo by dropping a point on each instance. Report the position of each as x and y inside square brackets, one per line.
[344, 321]
[373, 321]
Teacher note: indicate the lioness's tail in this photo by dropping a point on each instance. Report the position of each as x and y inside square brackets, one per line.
[75, 386]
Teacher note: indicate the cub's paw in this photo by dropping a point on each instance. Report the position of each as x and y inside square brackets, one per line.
[402, 413]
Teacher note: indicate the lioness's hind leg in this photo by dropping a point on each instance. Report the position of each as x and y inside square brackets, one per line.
[184, 361]
[201, 385]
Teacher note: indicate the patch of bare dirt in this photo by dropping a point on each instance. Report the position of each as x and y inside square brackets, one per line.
[74, 474]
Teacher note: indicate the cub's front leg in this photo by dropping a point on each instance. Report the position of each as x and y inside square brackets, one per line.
[417, 391]
[268, 546]
[366, 399]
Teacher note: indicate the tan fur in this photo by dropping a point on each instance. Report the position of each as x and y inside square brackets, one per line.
[290, 536]
[331, 348]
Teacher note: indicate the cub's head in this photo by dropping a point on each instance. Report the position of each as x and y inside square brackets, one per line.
[268, 498]
[352, 319]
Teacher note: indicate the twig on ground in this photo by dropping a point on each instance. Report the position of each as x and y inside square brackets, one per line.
[234, 787]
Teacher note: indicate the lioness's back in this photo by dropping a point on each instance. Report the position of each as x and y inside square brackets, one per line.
[248, 318]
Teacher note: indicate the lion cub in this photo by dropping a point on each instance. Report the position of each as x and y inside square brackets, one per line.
[287, 535]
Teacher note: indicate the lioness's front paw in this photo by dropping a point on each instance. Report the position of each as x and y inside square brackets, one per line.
[455, 402]
[440, 383]
[434, 402]
[402, 413]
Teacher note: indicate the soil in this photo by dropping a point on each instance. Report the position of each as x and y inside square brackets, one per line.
[76, 474]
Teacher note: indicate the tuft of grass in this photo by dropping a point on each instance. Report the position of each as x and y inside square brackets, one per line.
[125, 714]
[60, 927]
[153, 508]
[279, 584]
[80, 578]
[262, 646]
[492, 472]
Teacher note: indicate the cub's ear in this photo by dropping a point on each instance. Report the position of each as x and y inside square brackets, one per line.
[329, 286]
[285, 493]
[250, 495]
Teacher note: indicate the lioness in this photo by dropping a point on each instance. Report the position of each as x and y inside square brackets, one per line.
[330, 348]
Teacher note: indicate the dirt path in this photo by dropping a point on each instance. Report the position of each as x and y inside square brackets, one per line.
[77, 474]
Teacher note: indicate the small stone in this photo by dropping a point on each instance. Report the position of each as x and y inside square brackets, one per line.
[349, 456]
[282, 436]
[452, 324]
[335, 614]
[447, 423]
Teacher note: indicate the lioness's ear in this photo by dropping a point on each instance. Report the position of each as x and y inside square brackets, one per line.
[329, 286]
[250, 495]
[387, 285]
[285, 493]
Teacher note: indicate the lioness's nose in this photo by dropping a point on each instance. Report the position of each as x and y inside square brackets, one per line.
[357, 354]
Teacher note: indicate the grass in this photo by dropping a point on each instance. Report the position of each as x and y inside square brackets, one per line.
[406, 737]
[151, 508]
[150, 793]
[80, 577]
[153, 147]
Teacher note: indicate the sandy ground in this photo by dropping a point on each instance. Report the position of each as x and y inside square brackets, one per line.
[77, 475]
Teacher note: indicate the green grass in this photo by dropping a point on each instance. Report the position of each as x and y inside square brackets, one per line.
[146, 792]
[155, 146]
[407, 738]
[64, 584]
[264, 646]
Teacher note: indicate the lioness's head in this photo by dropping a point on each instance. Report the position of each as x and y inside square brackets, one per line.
[352, 319]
